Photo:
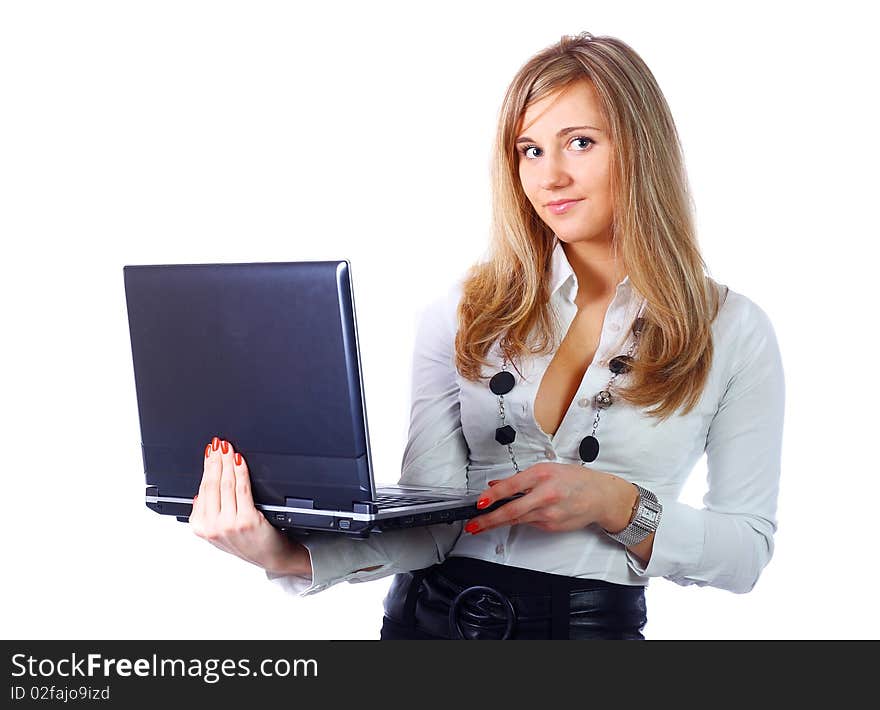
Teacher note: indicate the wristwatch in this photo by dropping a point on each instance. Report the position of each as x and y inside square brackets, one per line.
[647, 516]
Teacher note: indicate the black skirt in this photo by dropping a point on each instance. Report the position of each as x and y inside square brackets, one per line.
[465, 598]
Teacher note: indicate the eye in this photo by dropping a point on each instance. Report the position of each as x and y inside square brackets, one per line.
[586, 144]
[583, 139]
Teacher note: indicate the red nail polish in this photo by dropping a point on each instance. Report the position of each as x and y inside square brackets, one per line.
[492, 483]
[215, 443]
[471, 527]
[483, 503]
[207, 451]
[225, 446]
[237, 459]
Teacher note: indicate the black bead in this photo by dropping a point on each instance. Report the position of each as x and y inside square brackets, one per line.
[620, 364]
[502, 383]
[638, 325]
[589, 448]
[505, 435]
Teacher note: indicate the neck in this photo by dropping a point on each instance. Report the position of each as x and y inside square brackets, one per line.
[597, 271]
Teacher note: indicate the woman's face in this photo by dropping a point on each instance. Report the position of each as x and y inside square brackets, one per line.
[564, 154]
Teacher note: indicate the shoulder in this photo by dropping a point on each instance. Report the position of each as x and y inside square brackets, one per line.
[742, 326]
[437, 322]
[440, 310]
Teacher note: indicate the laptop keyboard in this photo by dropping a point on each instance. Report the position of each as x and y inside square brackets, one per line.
[394, 501]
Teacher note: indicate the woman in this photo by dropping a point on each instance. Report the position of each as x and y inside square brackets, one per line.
[586, 366]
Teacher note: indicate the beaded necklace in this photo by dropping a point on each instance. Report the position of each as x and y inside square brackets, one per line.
[502, 383]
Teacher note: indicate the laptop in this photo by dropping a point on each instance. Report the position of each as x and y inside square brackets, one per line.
[266, 356]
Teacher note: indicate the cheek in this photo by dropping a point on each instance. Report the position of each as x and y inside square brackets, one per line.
[527, 185]
[600, 174]
[593, 176]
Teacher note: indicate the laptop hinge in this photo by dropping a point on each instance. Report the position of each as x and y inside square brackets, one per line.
[299, 503]
[364, 507]
[152, 490]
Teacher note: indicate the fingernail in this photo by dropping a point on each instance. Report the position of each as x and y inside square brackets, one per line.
[471, 527]
[215, 443]
[225, 446]
[207, 451]
[492, 483]
[237, 459]
[483, 503]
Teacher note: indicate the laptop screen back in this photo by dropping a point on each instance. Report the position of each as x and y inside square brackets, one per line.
[262, 354]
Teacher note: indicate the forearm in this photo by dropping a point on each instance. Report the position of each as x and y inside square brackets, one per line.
[295, 560]
[698, 546]
[643, 549]
[336, 558]
[621, 499]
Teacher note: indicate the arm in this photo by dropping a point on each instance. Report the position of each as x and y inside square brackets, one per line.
[729, 542]
[622, 499]
[436, 454]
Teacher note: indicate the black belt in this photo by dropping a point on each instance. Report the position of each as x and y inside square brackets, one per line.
[473, 599]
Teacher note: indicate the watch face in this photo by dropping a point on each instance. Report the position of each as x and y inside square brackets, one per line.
[650, 515]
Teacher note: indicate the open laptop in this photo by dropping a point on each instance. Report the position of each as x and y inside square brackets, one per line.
[266, 356]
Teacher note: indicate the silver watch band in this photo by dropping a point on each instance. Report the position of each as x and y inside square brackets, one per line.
[644, 522]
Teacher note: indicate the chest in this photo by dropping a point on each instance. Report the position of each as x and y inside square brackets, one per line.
[566, 370]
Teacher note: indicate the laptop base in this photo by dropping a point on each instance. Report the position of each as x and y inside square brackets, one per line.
[355, 525]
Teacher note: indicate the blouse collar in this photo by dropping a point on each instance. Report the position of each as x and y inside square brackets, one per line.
[563, 276]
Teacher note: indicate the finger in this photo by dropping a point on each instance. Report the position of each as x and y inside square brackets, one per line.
[520, 482]
[228, 506]
[196, 509]
[536, 517]
[209, 491]
[542, 525]
[243, 497]
[505, 515]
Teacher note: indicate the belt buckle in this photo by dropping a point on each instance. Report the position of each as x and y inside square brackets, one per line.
[506, 604]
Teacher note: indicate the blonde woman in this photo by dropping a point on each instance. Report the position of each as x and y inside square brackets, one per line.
[582, 370]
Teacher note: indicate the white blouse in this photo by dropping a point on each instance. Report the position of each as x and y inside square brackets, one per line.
[738, 423]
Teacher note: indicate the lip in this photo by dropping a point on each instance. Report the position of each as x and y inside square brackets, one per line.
[561, 206]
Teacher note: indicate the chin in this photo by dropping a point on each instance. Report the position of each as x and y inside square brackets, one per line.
[571, 235]
[568, 237]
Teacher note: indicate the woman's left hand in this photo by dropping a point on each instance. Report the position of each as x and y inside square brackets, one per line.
[556, 497]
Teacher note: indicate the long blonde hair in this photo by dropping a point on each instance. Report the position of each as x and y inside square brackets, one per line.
[653, 232]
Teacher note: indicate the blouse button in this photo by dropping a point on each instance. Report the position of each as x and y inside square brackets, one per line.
[549, 453]
[499, 549]
[585, 402]
[615, 326]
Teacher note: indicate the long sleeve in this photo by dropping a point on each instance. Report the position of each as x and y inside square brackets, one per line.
[436, 454]
[729, 542]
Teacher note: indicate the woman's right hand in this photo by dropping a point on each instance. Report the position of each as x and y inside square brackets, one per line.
[224, 514]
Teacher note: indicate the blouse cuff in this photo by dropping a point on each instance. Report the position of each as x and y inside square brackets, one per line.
[330, 554]
[678, 543]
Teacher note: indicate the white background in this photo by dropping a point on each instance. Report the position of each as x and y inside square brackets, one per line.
[182, 132]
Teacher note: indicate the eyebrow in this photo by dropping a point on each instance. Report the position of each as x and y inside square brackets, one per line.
[526, 139]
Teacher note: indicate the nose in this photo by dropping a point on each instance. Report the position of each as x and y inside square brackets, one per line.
[554, 175]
